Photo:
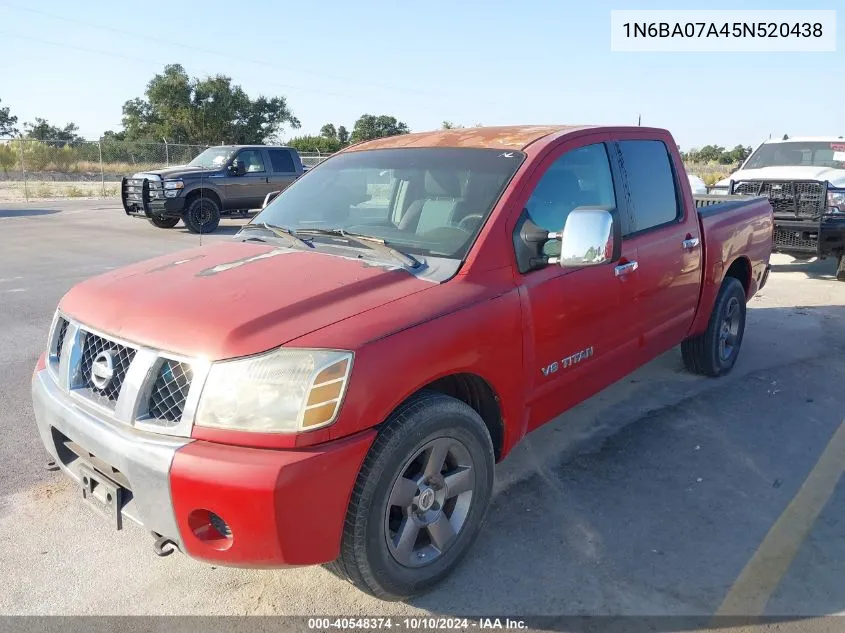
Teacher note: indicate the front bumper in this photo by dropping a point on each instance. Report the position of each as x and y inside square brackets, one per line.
[281, 507]
[140, 199]
[820, 238]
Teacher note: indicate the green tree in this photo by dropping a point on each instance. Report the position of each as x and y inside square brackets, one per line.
[343, 135]
[328, 131]
[321, 144]
[736, 155]
[448, 125]
[7, 122]
[710, 153]
[369, 126]
[41, 130]
[203, 111]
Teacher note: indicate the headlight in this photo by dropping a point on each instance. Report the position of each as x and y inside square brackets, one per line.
[836, 202]
[283, 391]
[173, 184]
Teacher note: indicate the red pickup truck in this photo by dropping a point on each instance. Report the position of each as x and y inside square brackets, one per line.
[335, 384]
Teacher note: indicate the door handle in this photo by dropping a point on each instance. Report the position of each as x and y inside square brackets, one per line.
[624, 269]
[690, 243]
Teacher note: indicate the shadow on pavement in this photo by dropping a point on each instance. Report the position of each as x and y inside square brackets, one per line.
[221, 230]
[813, 268]
[650, 527]
[22, 213]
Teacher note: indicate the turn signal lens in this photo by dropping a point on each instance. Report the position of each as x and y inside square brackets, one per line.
[325, 394]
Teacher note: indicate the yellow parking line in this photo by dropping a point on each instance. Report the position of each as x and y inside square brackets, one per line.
[755, 585]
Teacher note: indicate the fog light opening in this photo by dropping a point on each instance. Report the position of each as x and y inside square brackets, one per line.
[211, 529]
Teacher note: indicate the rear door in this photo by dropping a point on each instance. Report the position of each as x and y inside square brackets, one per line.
[582, 330]
[667, 239]
[283, 164]
[248, 190]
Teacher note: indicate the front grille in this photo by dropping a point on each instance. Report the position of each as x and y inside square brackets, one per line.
[131, 384]
[170, 391]
[60, 337]
[789, 239]
[789, 199]
[121, 357]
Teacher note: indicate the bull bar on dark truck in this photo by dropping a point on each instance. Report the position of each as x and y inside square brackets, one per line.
[147, 197]
[808, 221]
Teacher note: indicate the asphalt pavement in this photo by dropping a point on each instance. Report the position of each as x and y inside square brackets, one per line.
[667, 494]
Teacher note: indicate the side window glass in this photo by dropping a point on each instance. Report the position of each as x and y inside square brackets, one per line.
[579, 178]
[651, 183]
[282, 161]
[252, 159]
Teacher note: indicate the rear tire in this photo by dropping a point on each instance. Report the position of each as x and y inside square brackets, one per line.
[714, 352]
[163, 223]
[202, 215]
[410, 521]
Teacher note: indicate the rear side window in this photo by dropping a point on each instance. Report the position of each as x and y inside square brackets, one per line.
[651, 183]
[282, 161]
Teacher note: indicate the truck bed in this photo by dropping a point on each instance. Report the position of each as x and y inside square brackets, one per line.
[734, 227]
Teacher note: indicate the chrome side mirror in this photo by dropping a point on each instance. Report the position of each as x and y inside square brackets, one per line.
[589, 238]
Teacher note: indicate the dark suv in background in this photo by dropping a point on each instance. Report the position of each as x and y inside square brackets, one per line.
[221, 180]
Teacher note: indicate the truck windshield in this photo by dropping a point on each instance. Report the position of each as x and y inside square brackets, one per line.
[798, 153]
[428, 201]
[213, 157]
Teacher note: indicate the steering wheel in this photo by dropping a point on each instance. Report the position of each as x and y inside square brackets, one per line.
[472, 216]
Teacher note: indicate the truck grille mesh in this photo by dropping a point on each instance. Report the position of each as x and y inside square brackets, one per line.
[60, 337]
[786, 239]
[789, 199]
[170, 391]
[121, 358]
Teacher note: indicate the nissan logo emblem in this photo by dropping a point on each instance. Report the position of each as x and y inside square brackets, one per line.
[102, 369]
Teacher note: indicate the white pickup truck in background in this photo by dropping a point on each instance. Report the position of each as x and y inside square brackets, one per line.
[804, 179]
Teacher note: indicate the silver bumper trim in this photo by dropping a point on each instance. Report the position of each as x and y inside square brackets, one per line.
[143, 458]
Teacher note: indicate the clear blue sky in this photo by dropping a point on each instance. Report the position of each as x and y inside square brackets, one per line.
[469, 61]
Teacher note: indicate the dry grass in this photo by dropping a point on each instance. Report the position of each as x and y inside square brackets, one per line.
[710, 173]
[14, 191]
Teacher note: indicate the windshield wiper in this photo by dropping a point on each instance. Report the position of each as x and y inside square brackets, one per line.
[278, 231]
[367, 241]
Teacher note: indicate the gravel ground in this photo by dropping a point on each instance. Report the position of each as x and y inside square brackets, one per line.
[649, 499]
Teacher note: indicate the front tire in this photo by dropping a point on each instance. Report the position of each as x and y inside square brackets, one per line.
[202, 215]
[420, 498]
[163, 223]
[714, 352]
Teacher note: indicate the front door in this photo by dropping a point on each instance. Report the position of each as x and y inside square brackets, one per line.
[248, 190]
[583, 330]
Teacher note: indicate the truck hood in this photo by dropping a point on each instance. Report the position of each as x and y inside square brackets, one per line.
[230, 299]
[835, 176]
[177, 171]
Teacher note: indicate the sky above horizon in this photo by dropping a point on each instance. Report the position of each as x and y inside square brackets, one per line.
[492, 63]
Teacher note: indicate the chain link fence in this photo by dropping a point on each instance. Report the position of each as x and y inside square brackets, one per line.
[35, 169]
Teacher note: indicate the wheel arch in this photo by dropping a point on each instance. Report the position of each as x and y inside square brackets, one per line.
[740, 269]
[203, 191]
[478, 393]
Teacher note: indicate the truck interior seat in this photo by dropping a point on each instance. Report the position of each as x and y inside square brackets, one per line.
[442, 194]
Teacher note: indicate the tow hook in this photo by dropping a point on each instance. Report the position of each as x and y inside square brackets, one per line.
[164, 546]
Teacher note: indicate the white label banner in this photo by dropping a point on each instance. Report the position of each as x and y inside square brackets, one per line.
[725, 31]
